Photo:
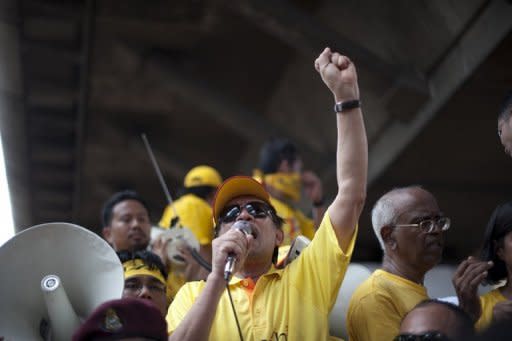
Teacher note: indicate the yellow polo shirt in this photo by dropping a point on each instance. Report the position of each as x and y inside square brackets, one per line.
[378, 305]
[284, 304]
[488, 301]
[295, 222]
[194, 213]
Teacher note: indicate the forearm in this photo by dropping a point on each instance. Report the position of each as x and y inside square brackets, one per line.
[351, 173]
[197, 323]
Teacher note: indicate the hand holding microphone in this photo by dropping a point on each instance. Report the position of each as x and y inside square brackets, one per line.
[245, 227]
[231, 248]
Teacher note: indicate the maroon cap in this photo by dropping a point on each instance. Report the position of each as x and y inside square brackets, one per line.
[126, 317]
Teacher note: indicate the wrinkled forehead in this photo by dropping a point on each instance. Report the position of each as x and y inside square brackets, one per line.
[416, 203]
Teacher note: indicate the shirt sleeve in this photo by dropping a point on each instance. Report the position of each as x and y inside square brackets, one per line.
[319, 270]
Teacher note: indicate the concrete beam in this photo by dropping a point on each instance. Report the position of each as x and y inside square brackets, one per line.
[301, 31]
[479, 40]
[238, 118]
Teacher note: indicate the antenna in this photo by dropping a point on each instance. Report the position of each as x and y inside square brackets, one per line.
[161, 179]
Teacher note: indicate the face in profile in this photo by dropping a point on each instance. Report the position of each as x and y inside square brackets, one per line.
[505, 134]
[414, 243]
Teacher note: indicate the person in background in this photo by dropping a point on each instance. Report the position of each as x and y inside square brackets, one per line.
[145, 277]
[281, 172]
[411, 229]
[126, 224]
[494, 268]
[436, 320]
[191, 210]
[505, 125]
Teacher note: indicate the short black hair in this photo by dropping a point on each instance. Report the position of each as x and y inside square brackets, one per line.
[150, 259]
[498, 226]
[464, 325]
[274, 151]
[506, 108]
[116, 198]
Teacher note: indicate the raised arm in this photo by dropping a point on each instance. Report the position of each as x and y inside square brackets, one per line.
[339, 74]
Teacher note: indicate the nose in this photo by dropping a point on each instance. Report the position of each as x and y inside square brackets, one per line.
[244, 215]
[134, 223]
[145, 293]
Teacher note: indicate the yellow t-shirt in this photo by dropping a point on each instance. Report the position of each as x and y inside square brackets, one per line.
[174, 282]
[488, 301]
[378, 305]
[296, 223]
[194, 213]
[284, 304]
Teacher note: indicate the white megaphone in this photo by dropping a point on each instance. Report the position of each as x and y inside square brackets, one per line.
[52, 277]
[355, 275]
[175, 237]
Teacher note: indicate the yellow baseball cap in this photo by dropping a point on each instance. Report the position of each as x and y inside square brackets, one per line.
[237, 186]
[202, 176]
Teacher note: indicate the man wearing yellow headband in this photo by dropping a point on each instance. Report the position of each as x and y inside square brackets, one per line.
[145, 277]
[292, 303]
[280, 171]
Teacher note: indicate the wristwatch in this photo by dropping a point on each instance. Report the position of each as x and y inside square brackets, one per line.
[346, 105]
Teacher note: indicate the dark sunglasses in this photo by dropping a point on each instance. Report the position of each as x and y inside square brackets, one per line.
[428, 336]
[255, 208]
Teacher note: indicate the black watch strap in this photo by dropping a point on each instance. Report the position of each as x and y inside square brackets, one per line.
[347, 105]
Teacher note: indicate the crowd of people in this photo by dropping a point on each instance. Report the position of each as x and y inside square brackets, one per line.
[236, 286]
[251, 221]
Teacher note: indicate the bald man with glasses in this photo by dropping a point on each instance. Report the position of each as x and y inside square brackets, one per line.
[411, 229]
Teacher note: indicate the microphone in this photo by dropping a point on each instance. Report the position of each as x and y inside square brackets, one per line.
[245, 227]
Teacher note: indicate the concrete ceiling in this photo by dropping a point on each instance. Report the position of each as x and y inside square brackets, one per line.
[209, 81]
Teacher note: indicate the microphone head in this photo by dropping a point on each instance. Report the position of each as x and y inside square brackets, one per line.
[243, 226]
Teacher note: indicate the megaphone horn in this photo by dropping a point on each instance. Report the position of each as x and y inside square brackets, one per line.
[54, 275]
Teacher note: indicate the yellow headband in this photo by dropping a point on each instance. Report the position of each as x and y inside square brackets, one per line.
[137, 267]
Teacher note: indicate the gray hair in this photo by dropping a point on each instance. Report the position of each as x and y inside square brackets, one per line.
[385, 210]
[383, 213]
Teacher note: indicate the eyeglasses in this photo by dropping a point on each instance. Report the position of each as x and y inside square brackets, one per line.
[255, 208]
[428, 336]
[134, 287]
[431, 224]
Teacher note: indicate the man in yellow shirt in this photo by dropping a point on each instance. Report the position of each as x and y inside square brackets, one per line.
[280, 304]
[194, 212]
[410, 228]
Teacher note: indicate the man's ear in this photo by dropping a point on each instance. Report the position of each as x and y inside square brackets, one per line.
[107, 234]
[279, 237]
[388, 236]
